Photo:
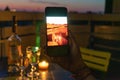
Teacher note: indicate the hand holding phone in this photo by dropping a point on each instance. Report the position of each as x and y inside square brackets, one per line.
[57, 31]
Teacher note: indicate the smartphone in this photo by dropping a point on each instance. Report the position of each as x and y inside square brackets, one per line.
[57, 31]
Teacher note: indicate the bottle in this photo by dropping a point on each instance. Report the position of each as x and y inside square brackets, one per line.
[14, 49]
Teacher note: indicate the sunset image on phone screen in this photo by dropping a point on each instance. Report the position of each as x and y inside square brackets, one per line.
[57, 31]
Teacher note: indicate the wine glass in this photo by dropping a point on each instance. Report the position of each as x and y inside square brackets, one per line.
[37, 51]
[33, 54]
[22, 68]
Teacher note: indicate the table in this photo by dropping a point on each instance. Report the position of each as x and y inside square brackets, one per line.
[55, 72]
[58, 73]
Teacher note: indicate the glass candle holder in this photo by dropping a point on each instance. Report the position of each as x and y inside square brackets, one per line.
[43, 65]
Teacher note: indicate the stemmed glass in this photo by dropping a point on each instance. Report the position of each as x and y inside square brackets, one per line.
[22, 68]
[33, 54]
[37, 52]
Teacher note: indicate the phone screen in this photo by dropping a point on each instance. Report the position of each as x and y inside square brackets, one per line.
[57, 31]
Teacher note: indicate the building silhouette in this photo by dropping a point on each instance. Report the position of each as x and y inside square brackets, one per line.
[7, 8]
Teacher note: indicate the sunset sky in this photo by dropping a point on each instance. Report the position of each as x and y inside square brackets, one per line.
[57, 20]
[39, 5]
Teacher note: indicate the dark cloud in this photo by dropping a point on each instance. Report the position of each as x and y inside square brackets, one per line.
[45, 2]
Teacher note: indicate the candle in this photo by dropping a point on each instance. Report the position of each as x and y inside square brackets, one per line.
[43, 65]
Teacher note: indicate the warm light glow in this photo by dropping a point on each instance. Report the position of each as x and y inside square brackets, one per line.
[29, 55]
[57, 20]
[44, 75]
[43, 65]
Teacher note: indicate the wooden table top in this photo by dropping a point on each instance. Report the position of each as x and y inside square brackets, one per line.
[55, 72]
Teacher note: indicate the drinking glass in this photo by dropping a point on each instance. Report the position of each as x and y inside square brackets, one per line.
[33, 54]
[22, 68]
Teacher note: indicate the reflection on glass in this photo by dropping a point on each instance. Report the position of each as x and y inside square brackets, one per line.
[14, 53]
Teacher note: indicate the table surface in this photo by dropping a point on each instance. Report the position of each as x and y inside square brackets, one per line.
[55, 72]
